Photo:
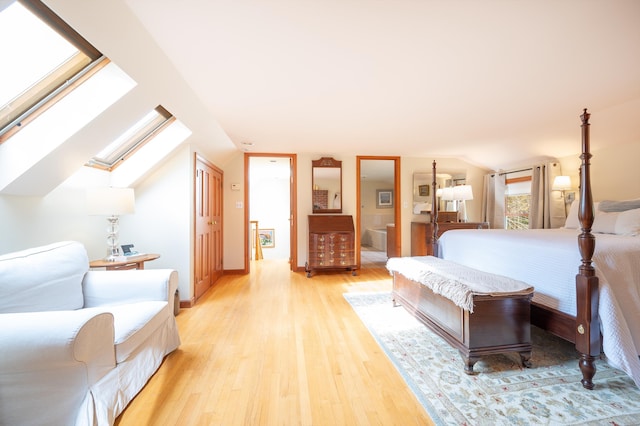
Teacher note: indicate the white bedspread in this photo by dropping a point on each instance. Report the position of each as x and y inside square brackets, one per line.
[548, 259]
[454, 281]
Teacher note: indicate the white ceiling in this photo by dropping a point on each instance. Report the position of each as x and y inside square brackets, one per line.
[494, 82]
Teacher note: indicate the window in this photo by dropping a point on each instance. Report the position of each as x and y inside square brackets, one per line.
[518, 200]
[154, 150]
[48, 59]
[132, 140]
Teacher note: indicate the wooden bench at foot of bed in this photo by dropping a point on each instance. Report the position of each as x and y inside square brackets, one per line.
[499, 322]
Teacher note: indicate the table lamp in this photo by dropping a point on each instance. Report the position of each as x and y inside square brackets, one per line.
[463, 193]
[111, 202]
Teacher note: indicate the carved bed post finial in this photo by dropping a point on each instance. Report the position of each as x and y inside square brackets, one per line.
[588, 341]
[434, 209]
[586, 240]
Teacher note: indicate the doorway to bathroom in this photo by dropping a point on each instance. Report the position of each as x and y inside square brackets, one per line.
[378, 216]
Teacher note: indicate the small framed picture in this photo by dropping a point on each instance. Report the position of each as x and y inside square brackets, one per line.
[423, 190]
[267, 238]
[384, 198]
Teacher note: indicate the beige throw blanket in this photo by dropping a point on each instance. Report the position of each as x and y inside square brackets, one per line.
[456, 282]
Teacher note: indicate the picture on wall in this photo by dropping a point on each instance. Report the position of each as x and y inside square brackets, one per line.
[267, 238]
[423, 190]
[384, 198]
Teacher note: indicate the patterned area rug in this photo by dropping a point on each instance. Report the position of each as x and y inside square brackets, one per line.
[501, 392]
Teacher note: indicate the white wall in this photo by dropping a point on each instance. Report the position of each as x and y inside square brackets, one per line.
[233, 232]
[164, 202]
[163, 219]
[234, 217]
[161, 223]
[615, 173]
[60, 215]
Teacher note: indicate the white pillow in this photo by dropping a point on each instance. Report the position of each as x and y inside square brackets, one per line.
[605, 223]
[628, 223]
[572, 221]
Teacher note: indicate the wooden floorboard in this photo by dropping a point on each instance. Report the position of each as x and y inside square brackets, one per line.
[277, 348]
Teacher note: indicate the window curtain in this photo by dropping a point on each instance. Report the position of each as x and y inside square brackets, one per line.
[547, 206]
[493, 208]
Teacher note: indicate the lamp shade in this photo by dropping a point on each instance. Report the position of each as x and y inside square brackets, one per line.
[462, 192]
[110, 201]
[447, 194]
[561, 183]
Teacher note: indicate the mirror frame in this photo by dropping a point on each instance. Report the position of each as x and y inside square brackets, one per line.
[455, 176]
[325, 163]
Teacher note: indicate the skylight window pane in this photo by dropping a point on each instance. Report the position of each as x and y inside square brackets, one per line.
[62, 120]
[150, 154]
[44, 61]
[131, 140]
[47, 50]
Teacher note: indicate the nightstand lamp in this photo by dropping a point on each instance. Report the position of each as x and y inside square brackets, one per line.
[463, 193]
[111, 202]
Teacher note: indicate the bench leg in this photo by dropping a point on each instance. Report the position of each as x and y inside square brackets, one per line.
[525, 357]
[469, 362]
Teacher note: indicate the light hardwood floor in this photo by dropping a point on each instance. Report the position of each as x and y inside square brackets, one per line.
[277, 348]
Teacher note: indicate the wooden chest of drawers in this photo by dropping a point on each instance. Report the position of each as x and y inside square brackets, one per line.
[422, 234]
[331, 243]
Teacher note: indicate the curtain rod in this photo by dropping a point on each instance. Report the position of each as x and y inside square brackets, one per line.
[515, 171]
[555, 163]
[511, 171]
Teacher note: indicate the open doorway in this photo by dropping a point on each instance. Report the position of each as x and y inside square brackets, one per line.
[378, 221]
[270, 208]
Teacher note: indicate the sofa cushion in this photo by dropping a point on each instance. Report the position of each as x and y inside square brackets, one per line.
[46, 278]
[134, 323]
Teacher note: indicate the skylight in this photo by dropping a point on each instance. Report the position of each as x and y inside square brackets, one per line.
[43, 62]
[150, 154]
[131, 140]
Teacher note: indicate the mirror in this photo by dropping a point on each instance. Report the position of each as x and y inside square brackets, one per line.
[326, 181]
[422, 187]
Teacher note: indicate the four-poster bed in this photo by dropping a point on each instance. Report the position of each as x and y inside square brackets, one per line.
[568, 305]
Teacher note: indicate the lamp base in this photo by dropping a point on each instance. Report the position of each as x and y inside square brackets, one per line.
[114, 253]
[462, 213]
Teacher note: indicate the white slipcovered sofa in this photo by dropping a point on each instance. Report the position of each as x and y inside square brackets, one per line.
[77, 345]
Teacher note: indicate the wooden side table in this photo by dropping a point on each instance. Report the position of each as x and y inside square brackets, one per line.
[131, 262]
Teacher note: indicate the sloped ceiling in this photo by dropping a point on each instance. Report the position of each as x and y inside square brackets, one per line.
[494, 82]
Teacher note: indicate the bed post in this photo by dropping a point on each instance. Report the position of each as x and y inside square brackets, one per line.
[434, 209]
[587, 323]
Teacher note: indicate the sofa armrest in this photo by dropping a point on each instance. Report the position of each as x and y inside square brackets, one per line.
[48, 362]
[104, 288]
[55, 339]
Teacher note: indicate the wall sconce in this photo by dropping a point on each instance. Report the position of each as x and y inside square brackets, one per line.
[111, 202]
[562, 183]
[463, 193]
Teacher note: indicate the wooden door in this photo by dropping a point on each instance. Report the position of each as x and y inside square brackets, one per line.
[208, 226]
